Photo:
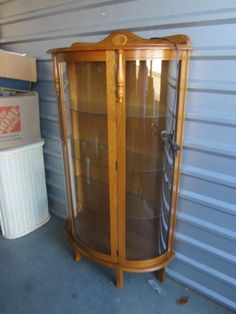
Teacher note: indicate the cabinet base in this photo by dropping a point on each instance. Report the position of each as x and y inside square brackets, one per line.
[158, 264]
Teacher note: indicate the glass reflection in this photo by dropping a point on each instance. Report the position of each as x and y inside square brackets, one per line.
[86, 103]
[150, 94]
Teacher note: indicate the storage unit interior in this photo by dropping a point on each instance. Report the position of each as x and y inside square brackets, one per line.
[205, 238]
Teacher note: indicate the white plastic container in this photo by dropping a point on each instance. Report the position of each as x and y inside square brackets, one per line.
[23, 195]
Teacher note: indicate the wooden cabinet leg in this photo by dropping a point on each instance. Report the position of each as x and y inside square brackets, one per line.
[161, 274]
[77, 255]
[119, 278]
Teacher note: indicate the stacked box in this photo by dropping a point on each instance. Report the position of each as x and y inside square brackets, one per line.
[16, 71]
[19, 120]
[23, 195]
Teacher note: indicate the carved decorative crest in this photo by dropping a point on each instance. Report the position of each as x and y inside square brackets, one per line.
[122, 39]
[119, 40]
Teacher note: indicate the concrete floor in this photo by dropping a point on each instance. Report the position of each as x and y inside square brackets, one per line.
[39, 275]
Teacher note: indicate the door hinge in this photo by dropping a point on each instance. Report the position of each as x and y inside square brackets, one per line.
[116, 165]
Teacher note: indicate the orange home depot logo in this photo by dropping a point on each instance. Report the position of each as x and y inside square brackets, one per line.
[9, 120]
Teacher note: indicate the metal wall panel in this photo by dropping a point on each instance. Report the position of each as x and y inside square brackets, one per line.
[206, 234]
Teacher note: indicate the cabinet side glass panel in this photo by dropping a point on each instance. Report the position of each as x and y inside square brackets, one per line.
[86, 107]
[150, 111]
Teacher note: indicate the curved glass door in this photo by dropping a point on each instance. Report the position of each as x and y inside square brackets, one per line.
[85, 96]
[150, 119]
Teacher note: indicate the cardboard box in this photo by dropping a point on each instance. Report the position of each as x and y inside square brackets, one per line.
[19, 120]
[7, 84]
[16, 71]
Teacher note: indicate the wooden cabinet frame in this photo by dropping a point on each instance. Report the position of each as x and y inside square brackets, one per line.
[115, 51]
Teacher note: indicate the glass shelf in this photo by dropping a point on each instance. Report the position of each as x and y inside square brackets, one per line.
[100, 213]
[87, 162]
[152, 110]
[87, 112]
[139, 163]
[139, 166]
[96, 155]
[137, 208]
[149, 114]
[94, 182]
[96, 199]
[93, 216]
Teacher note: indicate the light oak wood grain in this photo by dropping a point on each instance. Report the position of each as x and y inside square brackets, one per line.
[118, 105]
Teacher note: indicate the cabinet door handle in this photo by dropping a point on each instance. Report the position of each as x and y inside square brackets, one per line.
[168, 137]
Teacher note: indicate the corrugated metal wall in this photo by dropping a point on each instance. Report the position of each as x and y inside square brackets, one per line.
[206, 223]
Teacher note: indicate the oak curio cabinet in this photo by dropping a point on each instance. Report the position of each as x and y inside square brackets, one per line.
[121, 108]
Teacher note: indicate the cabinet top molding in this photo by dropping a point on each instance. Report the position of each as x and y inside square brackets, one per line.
[123, 39]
